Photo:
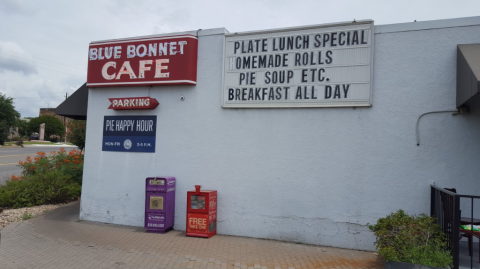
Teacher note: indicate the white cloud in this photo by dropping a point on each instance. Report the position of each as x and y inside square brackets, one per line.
[53, 36]
[14, 58]
[31, 95]
[12, 6]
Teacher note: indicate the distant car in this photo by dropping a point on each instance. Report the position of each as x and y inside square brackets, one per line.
[34, 137]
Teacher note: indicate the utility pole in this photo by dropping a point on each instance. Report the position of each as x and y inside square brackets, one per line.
[64, 120]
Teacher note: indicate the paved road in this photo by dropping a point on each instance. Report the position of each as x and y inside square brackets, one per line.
[59, 240]
[10, 156]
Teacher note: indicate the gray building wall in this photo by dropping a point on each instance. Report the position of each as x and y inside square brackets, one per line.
[315, 176]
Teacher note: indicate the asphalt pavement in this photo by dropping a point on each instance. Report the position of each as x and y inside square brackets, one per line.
[10, 156]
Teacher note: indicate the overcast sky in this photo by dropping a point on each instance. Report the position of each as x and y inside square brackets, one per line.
[44, 44]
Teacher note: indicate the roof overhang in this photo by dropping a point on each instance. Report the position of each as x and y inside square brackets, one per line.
[75, 106]
[468, 74]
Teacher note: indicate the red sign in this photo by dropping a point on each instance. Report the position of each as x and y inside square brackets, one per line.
[170, 60]
[133, 103]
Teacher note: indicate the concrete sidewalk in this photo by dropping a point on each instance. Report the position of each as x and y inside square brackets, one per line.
[57, 239]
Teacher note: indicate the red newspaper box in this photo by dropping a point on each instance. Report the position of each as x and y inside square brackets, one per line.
[201, 213]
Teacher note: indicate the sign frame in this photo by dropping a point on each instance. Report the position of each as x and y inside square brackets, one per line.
[366, 103]
[155, 60]
[121, 133]
[132, 103]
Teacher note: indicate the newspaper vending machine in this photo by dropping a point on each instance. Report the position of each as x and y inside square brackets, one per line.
[159, 204]
[201, 212]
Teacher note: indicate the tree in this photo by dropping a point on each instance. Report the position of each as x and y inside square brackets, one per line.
[53, 126]
[22, 127]
[76, 133]
[8, 116]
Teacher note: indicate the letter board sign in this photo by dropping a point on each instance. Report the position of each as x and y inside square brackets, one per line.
[129, 133]
[169, 60]
[313, 66]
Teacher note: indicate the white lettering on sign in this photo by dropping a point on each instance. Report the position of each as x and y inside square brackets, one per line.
[134, 102]
[126, 69]
[145, 125]
[93, 54]
[110, 125]
[144, 145]
[156, 217]
[155, 225]
[129, 125]
[141, 50]
[325, 66]
[112, 144]
[171, 189]
[117, 52]
[105, 70]
[124, 125]
[159, 68]
[144, 68]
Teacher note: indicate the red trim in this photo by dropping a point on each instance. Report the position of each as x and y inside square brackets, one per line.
[198, 235]
[95, 43]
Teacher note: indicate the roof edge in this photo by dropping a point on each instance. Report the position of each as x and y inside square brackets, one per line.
[427, 25]
[199, 32]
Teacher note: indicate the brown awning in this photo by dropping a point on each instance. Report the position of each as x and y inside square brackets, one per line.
[75, 106]
[468, 74]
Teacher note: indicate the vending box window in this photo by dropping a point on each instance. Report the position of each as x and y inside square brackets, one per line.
[201, 212]
[159, 204]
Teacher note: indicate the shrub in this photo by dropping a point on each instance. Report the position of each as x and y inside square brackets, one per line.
[412, 239]
[70, 164]
[45, 179]
[51, 186]
[76, 133]
[53, 139]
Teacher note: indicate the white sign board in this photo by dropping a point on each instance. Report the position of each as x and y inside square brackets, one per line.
[315, 66]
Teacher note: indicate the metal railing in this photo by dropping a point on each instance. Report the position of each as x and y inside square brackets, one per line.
[445, 207]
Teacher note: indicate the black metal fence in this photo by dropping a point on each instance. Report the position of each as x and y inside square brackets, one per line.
[445, 207]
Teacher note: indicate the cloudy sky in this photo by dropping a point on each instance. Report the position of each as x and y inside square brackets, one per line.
[44, 44]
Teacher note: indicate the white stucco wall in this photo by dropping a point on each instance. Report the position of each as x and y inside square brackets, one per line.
[314, 176]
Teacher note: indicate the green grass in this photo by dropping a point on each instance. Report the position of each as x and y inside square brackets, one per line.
[27, 216]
